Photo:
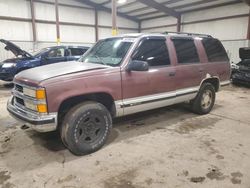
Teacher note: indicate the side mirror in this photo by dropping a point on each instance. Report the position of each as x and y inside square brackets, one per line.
[136, 65]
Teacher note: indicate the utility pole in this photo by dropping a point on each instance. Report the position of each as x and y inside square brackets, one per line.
[114, 18]
[58, 40]
[179, 24]
[248, 28]
[96, 26]
[33, 24]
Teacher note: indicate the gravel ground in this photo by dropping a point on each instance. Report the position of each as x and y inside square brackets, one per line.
[167, 147]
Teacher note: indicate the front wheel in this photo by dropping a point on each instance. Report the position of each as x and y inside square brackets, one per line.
[204, 101]
[86, 127]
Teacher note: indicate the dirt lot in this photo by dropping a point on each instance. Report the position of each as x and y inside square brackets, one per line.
[168, 147]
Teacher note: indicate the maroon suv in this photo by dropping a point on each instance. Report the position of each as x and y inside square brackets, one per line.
[116, 77]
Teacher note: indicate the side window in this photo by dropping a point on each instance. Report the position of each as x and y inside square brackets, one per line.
[76, 51]
[214, 49]
[154, 51]
[59, 52]
[186, 51]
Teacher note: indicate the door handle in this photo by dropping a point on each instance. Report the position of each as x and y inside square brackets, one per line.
[171, 74]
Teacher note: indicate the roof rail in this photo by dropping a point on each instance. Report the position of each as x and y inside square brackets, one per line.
[188, 34]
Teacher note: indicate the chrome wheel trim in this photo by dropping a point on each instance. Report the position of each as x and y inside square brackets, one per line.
[206, 99]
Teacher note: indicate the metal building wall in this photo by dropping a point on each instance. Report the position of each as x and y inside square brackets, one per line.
[80, 31]
[231, 30]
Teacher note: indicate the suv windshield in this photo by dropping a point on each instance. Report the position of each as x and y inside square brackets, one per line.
[108, 52]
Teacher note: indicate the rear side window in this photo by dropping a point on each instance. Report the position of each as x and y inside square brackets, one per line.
[154, 51]
[214, 49]
[186, 51]
[76, 51]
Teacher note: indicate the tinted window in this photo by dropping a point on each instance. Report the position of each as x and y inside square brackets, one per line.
[59, 52]
[186, 51]
[154, 51]
[76, 51]
[214, 49]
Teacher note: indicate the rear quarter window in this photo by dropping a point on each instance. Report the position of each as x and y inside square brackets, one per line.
[214, 50]
[186, 51]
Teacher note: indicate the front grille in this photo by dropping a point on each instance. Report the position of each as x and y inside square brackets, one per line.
[19, 88]
[19, 101]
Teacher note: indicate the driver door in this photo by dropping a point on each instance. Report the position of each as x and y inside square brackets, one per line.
[145, 90]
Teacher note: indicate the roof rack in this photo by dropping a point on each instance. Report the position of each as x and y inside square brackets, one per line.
[188, 34]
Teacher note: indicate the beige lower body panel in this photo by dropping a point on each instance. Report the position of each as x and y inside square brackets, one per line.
[139, 104]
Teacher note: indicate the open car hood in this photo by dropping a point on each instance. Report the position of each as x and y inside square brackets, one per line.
[244, 53]
[16, 50]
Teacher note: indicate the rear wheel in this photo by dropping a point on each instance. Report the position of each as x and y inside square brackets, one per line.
[86, 127]
[204, 101]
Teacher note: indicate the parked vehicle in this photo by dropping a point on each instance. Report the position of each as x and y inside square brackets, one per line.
[241, 70]
[119, 76]
[24, 60]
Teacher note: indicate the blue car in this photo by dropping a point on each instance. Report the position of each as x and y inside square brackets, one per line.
[24, 60]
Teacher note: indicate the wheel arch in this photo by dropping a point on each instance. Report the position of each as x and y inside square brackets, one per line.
[101, 97]
[215, 81]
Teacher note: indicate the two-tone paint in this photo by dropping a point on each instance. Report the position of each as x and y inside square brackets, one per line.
[131, 91]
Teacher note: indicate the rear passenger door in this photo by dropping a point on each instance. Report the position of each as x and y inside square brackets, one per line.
[74, 53]
[189, 69]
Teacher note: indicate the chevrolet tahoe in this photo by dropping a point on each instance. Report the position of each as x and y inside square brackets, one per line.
[119, 76]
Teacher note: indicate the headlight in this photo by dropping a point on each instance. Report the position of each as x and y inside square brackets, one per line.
[41, 108]
[8, 65]
[31, 106]
[38, 93]
[40, 96]
[29, 92]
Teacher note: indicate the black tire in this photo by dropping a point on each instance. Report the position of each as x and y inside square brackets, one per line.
[86, 127]
[234, 82]
[198, 105]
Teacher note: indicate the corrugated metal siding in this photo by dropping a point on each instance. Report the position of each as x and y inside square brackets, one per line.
[21, 32]
[232, 48]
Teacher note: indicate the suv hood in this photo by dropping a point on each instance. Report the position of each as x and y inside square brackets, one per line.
[54, 70]
[244, 53]
[16, 50]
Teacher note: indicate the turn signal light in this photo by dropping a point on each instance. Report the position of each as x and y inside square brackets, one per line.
[42, 108]
[40, 94]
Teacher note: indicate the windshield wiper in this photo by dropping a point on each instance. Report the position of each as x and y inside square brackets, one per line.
[100, 61]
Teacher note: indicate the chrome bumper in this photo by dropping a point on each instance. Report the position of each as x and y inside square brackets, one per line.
[40, 123]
